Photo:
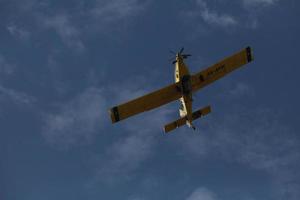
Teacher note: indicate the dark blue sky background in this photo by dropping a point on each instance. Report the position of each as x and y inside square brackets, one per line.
[63, 64]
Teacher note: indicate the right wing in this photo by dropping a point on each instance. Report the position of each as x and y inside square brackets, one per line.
[222, 68]
[145, 103]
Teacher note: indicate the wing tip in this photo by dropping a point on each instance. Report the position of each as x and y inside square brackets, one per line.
[249, 54]
[114, 114]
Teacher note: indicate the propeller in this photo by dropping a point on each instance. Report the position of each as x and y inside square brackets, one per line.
[184, 56]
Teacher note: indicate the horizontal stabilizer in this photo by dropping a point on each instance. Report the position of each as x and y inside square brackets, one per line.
[201, 112]
[182, 121]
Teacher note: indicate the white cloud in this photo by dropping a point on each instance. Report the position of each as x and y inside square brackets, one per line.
[219, 20]
[254, 8]
[10, 94]
[18, 32]
[136, 139]
[5, 67]
[125, 156]
[15, 96]
[241, 89]
[77, 121]
[202, 193]
[232, 90]
[259, 2]
[115, 10]
[136, 198]
[29, 5]
[254, 137]
[136, 144]
[213, 18]
[67, 31]
[251, 10]
[104, 16]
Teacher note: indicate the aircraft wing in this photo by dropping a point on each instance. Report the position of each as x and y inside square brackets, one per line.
[145, 103]
[220, 69]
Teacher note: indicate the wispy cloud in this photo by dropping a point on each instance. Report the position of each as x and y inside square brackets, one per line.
[76, 121]
[115, 10]
[202, 193]
[131, 151]
[236, 90]
[10, 94]
[125, 156]
[136, 198]
[15, 96]
[67, 31]
[136, 141]
[73, 24]
[219, 20]
[6, 68]
[259, 2]
[255, 8]
[211, 17]
[79, 120]
[241, 89]
[42, 21]
[18, 32]
[254, 137]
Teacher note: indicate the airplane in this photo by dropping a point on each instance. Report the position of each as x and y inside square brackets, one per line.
[185, 86]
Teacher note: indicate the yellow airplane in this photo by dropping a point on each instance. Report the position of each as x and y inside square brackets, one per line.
[183, 88]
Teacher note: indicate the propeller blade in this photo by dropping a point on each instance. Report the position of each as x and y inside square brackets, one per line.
[181, 50]
[186, 55]
[172, 52]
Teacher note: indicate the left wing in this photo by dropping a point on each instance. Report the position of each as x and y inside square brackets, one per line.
[147, 102]
[222, 68]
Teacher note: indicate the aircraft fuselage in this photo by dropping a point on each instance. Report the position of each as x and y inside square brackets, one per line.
[182, 74]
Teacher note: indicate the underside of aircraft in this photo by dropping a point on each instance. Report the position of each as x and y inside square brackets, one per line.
[185, 86]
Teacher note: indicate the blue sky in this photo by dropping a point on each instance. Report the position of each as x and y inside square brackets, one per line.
[63, 64]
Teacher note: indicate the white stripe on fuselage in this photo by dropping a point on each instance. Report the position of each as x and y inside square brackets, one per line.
[185, 109]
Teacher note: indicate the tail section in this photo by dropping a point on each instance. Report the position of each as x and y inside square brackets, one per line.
[201, 112]
[182, 121]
